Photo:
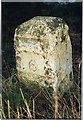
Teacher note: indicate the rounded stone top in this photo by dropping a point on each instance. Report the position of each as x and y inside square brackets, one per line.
[40, 26]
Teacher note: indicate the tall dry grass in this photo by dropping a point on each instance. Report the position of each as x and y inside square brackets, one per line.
[19, 102]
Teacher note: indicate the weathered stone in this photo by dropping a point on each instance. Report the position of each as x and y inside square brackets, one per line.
[44, 53]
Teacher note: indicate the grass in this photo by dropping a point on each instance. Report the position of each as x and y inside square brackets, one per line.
[20, 101]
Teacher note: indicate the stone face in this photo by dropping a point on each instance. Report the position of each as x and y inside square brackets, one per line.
[44, 53]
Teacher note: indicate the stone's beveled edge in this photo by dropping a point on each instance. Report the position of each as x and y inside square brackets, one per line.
[55, 22]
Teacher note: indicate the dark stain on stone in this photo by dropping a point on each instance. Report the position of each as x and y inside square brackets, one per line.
[46, 72]
[25, 51]
[56, 37]
[18, 58]
[46, 82]
[49, 69]
[56, 43]
[42, 47]
[44, 67]
[63, 37]
[44, 57]
[46, 62]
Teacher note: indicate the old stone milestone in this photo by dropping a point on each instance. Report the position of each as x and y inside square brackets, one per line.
[44, 53]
